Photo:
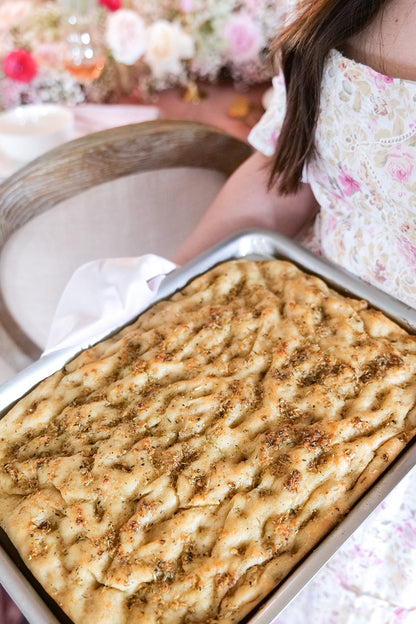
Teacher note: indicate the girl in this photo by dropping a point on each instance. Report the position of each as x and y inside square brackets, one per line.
[336, 167]
[345, 156]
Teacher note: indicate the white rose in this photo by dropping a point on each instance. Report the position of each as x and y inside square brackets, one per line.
[12, 13]
[167, 45]
[125, 35]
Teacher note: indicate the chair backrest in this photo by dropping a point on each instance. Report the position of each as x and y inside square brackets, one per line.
[120, 192]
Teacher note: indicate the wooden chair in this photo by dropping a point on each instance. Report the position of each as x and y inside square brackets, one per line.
[120, 192]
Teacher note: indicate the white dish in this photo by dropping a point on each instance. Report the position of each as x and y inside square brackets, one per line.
[28, 131]
[87, 118]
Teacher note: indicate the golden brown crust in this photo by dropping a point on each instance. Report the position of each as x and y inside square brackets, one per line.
[176, 472]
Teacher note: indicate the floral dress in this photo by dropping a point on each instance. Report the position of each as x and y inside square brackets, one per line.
[364, 177]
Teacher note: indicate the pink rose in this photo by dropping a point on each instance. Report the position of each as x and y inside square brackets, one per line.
[408, 532]
[330, 224]
[20, 65]
[50, 55]
[380, 105]
[400, 165]
[409, 252]
[244, 38]
[350, 185]
[401, 614]
[381, 80]
[367, 557]
[379, 274]
[111, 5]
[187, 6]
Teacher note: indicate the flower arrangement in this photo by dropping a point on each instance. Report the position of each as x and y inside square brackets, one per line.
[144, 46]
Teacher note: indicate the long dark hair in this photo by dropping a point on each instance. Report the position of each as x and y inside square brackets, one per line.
[301, 50]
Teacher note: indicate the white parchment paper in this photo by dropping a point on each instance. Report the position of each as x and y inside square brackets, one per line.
[103, 295]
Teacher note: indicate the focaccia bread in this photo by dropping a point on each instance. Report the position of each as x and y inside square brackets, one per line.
[176, 472]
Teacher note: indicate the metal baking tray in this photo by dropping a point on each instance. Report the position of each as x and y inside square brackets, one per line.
[257, 244]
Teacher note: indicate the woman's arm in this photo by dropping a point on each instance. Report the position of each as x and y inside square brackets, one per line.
[243, 202]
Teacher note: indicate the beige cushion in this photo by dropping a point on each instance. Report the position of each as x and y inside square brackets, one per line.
[149, 212]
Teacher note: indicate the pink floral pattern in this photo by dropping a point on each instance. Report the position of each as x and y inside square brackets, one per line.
[363, 174]
[350, 185]
[371, 579]
[400, 164]
[364, 177]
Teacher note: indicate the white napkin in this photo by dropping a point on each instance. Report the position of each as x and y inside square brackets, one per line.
[103, 295]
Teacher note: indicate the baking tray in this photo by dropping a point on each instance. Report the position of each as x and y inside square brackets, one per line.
[259, 244]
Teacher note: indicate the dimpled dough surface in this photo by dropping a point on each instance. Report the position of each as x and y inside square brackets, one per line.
[177, 471]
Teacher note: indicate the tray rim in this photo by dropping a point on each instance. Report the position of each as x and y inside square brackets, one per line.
[257, 244]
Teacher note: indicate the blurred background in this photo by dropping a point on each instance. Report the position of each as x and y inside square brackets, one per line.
[106, 51]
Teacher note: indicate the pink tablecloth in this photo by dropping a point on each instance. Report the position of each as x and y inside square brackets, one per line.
[225, 107]
[220, 106]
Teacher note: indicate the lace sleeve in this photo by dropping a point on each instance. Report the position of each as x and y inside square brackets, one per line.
[264, 135]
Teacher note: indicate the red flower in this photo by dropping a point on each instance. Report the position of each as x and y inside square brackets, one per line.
[20, 65]
[112, 5]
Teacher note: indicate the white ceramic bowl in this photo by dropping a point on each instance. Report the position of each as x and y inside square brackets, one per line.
[28, 131]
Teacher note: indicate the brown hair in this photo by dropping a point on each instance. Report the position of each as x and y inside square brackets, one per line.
[302, 47]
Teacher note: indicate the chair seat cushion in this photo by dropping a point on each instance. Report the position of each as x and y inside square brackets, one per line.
[148, 212]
